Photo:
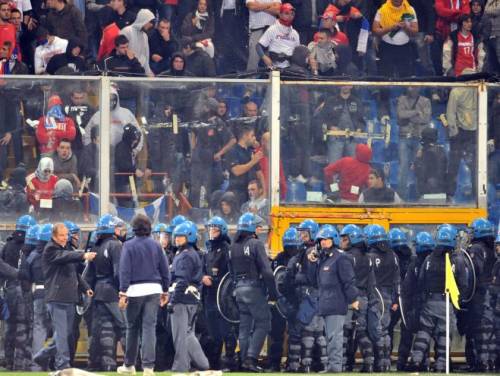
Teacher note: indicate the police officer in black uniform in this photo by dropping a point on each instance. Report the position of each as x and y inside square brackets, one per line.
[479, 313]
[411, 297]
[251, 270]
[215, 266]
[16, 325]
[431, 283]
[388, 282]
[291, 244]
[353, 243]
[108, 323]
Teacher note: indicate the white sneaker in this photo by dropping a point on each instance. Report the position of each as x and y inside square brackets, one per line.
[124, 370]
[148, 372]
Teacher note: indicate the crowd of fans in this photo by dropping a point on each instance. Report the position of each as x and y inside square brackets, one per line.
[204, 38]
[334, 141]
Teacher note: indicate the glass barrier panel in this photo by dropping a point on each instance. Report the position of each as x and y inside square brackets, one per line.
[47, 168]
[369, 145]
[188, 147]
[494, 152]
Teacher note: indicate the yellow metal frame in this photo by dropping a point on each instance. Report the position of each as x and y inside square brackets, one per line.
[284, 216]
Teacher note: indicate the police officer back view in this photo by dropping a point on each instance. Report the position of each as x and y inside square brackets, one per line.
[108, 324]
[11, 254]
[479, 312]
[388, 281]
[353, 243]
[215, 266]
[431, 282]
[251, 271]
[411, 297]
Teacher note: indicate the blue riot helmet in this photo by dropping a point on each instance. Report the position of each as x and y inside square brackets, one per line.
[160, 234]
[219, 223]
[375, 234]
[73, 232]
[160, 227]
[311, 227]
[24, 222]
[249, 222]
[106, 224]
[482, 228]
[450, 227]
[291, 238]
[354, 233]
[31, 237]
[446, 236]
[176, 221]
[45, 233]
[328, 232]
[397, 238]
[186, 229]
[424, 242]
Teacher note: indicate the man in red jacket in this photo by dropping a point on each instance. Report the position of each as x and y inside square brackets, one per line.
[447, 14]
[53, 127]
[353, 173]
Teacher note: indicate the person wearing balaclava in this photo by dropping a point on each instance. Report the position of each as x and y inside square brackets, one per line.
[279, 39]
[126, 163]
[53, 126]
[64, 205]
[120, 116]
[40, 184]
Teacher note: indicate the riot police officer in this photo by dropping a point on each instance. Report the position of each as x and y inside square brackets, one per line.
[74, 234]
[16, 328]
[187, 271]
[398, 241]
[34, 275]
[353, 243]
[479, 313]
[387, 277]
[337, 290]
[291, 245]
[251, 270]
[108, 323]
[410, 296]
[431, 283]
[215, 266]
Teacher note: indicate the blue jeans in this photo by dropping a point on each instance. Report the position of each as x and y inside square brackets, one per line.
[141, 315]
[41, 326]
[255, 319]
[62, 316]
[407, 149]
[339, 147]
[334, 328]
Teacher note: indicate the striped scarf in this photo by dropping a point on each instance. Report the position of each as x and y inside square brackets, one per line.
[391, 15]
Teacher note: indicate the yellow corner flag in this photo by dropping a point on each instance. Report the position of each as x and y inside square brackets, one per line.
[450, 283]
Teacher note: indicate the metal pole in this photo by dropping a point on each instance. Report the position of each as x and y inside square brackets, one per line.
[104, 146]
[482, 146]
[447, 294]
[274, 180]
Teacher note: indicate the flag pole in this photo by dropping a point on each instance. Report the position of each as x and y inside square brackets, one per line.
[447, 294]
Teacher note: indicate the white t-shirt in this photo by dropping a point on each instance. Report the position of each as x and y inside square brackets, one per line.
[280, 39]
[44, 53]
[400, 38]
[258, 20]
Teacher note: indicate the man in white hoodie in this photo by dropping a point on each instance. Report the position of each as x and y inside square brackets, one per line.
[138, 38]
[49, 45]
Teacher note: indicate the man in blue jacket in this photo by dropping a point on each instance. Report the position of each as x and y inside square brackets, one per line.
[144, 280]
[337, 289]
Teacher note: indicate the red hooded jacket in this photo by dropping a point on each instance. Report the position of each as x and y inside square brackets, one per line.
[448, 12]
[109, 33]
[353, 173]
[48, 139]
[37, 189]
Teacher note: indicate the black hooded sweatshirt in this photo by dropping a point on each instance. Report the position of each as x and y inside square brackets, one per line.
[124, 158]
[174, 72]
[67, 60]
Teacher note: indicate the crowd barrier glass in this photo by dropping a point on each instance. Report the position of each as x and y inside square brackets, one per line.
[48, 157]
[369, 145]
